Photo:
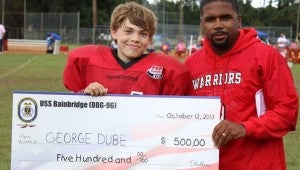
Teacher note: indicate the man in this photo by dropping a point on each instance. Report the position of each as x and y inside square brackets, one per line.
[53, 43]
[255, 85]
[99, 70]
[282, 40]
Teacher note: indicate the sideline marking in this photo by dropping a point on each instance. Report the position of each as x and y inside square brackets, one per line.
[17, 68]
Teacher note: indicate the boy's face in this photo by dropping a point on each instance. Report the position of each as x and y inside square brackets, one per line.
[132, 41]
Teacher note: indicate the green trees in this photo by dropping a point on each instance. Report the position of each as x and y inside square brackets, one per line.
[284, 14]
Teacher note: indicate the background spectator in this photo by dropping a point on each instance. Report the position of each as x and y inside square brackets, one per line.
[165, 47]
[4, 39]
[2, 32]
[198, 45]
[54, 41]
[282, 40]
[180, 49]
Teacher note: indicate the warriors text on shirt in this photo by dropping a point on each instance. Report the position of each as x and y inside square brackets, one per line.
[217, 79]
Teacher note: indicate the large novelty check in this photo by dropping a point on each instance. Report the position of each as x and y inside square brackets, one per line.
[65, 131]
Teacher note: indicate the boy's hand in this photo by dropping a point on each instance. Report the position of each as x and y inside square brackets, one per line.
[95, 89]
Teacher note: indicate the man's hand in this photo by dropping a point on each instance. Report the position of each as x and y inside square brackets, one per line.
[95, 89]
[225, 131]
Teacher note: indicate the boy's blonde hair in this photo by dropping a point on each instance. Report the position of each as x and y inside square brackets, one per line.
[137, 15]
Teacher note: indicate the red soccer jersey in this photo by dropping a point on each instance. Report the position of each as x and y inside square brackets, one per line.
[154, 74]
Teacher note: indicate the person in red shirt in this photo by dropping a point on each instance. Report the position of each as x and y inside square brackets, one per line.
[128, 69]
[180, 49]
[255, 85]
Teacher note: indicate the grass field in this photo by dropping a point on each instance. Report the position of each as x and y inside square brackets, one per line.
[43, 72]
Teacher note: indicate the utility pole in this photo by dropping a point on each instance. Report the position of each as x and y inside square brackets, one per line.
[298, 17]
[181, 19]
[200, 26]
[3, 9]
[25, 11]
[94, 20]
[164, 19]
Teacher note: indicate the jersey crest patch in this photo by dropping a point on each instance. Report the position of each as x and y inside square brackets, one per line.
[155, 72]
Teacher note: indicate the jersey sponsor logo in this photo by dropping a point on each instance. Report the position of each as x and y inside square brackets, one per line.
[155, 72]
[217, 80]
[116, 77]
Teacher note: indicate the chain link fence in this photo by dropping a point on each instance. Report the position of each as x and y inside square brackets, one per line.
[37, 25]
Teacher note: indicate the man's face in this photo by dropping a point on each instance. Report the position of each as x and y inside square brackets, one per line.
[132, 41]
[220, 24]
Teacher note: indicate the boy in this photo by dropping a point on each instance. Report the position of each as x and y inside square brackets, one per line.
[99, 70]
